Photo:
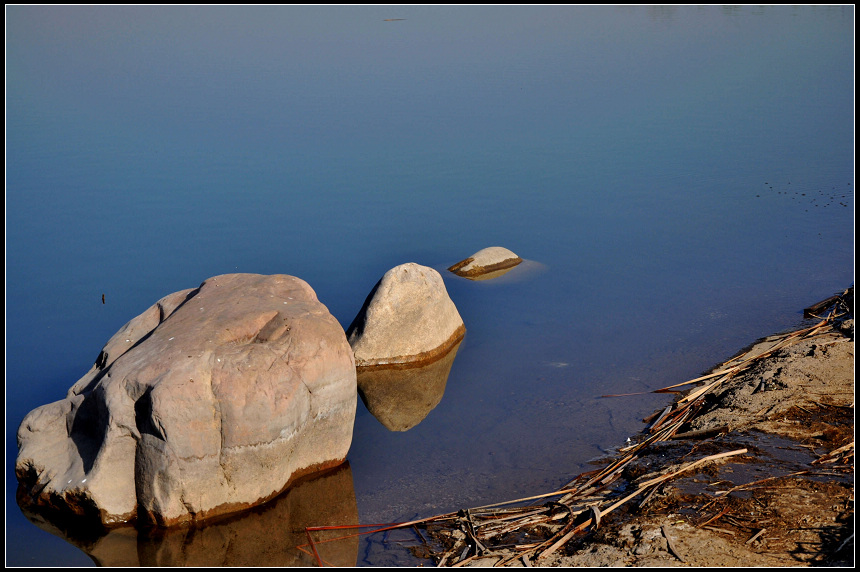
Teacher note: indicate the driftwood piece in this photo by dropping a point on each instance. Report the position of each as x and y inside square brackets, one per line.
[846, 298]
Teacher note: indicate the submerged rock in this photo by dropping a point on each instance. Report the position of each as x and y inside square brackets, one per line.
[408, 318]
[211, 401]
[487, 263]
[401, 397]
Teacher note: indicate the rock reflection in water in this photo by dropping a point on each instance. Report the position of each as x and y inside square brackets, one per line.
[268, 535]
[490, 275]
[401, 398]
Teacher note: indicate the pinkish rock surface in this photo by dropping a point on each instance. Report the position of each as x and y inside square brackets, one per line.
[213, 400]
[408, 319]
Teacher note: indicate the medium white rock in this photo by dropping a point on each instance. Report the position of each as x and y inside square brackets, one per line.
[408, 318]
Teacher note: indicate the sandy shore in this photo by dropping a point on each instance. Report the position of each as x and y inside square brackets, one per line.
[788, 501]
[761, 473]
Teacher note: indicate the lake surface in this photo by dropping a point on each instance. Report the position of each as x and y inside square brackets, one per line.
[678, 179]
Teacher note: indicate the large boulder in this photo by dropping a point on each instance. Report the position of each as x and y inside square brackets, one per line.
[487, 263]
[408, 319]
[213, 400]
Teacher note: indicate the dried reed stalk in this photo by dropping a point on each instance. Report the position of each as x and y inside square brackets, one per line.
[842, 454]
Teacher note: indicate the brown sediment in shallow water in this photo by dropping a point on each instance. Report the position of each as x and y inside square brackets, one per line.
[417, 360]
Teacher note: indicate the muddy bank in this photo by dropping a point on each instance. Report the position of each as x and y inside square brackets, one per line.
[788, 501]
[753, 466]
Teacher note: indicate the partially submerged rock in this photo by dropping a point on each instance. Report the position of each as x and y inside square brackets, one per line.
[400, 398]
[211, 401]
[487, 263]
[407, 319]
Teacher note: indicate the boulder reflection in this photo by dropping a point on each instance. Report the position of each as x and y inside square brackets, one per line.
[268, 535]
[401, 398]
[490, 275]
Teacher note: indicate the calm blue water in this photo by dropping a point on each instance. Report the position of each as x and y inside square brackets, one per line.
[680, 178]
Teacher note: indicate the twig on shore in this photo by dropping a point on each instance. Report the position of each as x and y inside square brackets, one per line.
[842, 454]
[671, 545]
[756, 535]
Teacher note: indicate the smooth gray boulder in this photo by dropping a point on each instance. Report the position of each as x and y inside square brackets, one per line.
[213, 400]
[486, 263]
[407, 319]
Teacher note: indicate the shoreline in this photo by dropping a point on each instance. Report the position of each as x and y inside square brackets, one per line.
[752, 467]
[787, 501]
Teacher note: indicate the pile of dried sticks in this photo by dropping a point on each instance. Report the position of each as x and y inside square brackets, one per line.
[532, 532]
